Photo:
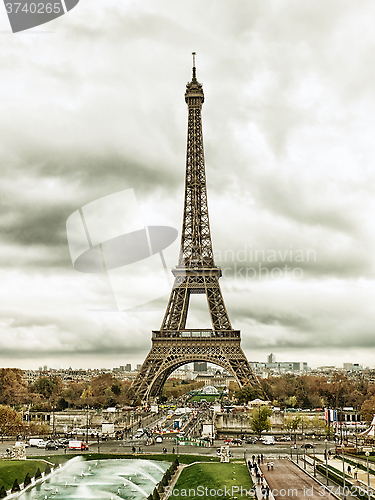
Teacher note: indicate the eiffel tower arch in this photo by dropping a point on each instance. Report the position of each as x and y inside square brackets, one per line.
[174, 345]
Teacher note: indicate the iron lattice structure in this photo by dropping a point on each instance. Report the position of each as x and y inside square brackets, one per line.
[174, 345]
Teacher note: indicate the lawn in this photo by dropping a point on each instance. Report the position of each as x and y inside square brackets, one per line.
[12, 469]
[214, 476]
[208, 398]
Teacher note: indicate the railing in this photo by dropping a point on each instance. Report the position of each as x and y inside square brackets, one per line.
[191, 333]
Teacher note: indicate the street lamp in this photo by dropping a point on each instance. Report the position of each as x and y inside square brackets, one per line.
[343, 470]
[326, 462]
[87, 424]
[304, 451]
[368, 476]
[314, 456]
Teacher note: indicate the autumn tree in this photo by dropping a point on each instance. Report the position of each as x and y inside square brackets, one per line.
[10, 421]
[368, 409]
[13, 390]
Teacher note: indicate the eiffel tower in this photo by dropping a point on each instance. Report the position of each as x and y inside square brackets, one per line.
[174, 345]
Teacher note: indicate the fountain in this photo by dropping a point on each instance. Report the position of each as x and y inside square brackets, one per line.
[100, 480]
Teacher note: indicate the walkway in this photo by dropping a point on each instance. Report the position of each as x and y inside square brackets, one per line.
[362, 474]
[287, 480]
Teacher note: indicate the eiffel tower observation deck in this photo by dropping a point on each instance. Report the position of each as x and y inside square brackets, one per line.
[174, 345]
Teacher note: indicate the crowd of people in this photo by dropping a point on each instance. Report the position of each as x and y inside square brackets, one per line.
[255, 470]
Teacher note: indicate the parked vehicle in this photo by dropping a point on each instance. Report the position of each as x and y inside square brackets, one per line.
[51, 445]
[236, 441]
[159, 439]
[267, 440]
[41, 444]
[78, 445]
[35, 441]
[308, 445]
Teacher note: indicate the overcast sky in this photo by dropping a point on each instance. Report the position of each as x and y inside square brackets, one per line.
[93, 103]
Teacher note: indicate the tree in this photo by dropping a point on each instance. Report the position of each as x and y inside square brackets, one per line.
[3, 492]
[45, 386]
[260, 419]
[16, 486]
[248, 393]
[48, 469]
[156, 495]
[38, 474]
[27, 480]
[10, 421]
[368, 409]
[13, 390]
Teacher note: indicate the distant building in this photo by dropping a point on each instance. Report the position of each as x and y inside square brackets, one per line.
[352, 367]
[139, 367]
[280, 367]
[327, 369]
[200, 366]
[271, 358]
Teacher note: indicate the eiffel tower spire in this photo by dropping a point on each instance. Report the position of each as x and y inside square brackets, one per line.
[174, 345]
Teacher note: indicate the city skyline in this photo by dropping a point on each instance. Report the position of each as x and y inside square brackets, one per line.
[93, 103]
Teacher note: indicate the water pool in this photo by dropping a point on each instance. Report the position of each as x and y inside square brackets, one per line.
[100, 479]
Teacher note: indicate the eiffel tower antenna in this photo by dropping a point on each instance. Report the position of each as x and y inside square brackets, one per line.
[174, 345]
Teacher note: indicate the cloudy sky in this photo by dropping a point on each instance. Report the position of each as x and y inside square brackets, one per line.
[93, 104]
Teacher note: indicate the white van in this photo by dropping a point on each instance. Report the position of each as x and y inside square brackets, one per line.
[268, 440]
[35, 441]
[77, 445]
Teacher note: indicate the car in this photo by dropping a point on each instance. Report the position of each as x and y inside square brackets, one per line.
[41, 444]
[159, 439]
[308, 445]
[228, 440]
[236, 441]
[51, 445]
[251, 440]
[63, 441]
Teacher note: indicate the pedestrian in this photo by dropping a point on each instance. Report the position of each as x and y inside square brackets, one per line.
[258, 460]
[173, 451]
[133, 449]
[261, 457]
[253, 457]
[356, 473]
[261, 478]
[329, 453]
[349, 470]
[271, 465]
[267, 492]
[268, 466]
